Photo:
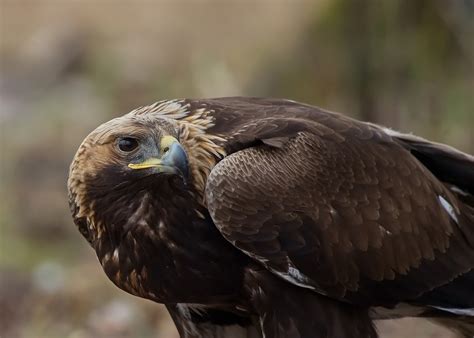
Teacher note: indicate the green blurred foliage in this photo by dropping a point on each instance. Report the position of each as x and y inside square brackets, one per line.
[406, 64]
[66, 67]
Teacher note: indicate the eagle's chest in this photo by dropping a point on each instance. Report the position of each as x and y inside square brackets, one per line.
[171, 252]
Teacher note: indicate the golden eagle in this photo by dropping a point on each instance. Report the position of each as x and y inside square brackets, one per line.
[254, 217]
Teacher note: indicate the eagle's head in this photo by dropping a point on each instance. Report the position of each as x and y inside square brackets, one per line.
[120, 175]
[121, 160]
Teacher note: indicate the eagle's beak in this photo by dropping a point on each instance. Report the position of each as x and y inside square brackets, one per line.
[174, 161]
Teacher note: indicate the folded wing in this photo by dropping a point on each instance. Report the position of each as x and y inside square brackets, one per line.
[348, 211]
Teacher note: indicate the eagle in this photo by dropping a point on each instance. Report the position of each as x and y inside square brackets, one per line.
[259, 217]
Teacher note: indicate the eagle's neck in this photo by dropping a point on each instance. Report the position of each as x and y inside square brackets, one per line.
[168, 250]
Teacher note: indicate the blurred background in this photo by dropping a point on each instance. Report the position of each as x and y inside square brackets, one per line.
[67, 66]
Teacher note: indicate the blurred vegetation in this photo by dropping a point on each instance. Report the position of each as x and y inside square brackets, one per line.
[66, 67]
[406, 64]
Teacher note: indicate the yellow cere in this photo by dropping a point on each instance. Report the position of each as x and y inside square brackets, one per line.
[166, 142]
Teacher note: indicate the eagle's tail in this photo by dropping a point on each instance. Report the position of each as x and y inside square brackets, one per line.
[452, 305]
[456, 297]
[449, 165]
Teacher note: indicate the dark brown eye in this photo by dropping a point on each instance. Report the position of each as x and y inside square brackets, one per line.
[127, 144]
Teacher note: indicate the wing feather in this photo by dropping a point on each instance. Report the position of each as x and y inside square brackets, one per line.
[343, 204]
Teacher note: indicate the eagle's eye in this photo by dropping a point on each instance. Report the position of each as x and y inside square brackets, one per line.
[127, 144]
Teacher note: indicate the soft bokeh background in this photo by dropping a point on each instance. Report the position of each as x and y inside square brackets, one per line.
[67, 66]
